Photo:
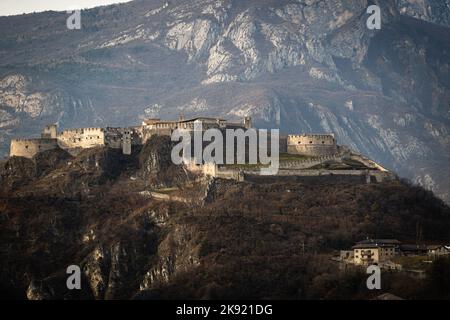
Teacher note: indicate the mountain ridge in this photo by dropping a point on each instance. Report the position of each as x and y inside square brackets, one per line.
[299, 65]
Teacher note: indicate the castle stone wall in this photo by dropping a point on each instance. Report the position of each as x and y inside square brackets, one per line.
[147, 133]
[81, 138]
[49, 132]
[326, 176]
[309, 179]
[312, 145]
[308, 163]
[28, 148]
[115, 137]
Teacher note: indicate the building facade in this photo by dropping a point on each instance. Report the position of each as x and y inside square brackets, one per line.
[312, 144]
[82, 138]
[28, 148]
[375, 251]
[435, 251]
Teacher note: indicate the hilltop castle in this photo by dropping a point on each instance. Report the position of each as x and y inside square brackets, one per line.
[308, 156]
[74, 140]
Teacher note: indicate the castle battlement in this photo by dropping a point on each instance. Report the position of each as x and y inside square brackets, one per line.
[28, 148]
[33, 140]
[81, 130]
[72, 140]
[314, 136]
[312, 144]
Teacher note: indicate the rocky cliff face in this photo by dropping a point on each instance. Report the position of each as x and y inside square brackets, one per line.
[94, 210]
[303, 66]
[432, 11]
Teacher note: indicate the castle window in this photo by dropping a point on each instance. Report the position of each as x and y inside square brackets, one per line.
[323, 142]
[26, 147]
[310, 142]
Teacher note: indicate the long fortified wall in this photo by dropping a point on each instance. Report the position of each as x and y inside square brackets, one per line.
[312, 144]
[308, 163]
[29, 147]
[73, 140]
[366, 176]
[305, 169]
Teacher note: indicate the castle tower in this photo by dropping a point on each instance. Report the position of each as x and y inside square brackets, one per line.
[49, 131]
[248, 122]
[312, 144]
[126, 142]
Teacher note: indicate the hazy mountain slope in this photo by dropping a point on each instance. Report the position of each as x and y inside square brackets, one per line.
[300, 65]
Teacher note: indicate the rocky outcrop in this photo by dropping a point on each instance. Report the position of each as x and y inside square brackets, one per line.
[155, 156]
[303, 66]
[104, 162]
[37, 291]
[16, 172]
[177, 253]
[428, 10]
[156, 166]
[49, 160]
[15, 97]
[96, 267]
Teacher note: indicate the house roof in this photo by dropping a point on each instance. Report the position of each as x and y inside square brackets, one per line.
[201, 118]
[376, 243]
[152, 121]
[156, 120]
[366, 246]
[437, 246]
[412, 247]
[380, 241]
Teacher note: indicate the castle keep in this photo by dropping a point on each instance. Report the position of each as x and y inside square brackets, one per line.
[312, 144]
